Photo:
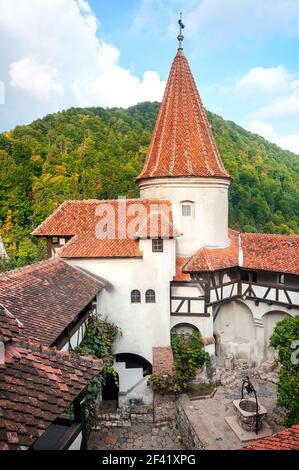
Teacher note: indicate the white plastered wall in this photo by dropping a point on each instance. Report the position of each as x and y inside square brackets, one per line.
[143, 325]
[245, 328]
[209, 196]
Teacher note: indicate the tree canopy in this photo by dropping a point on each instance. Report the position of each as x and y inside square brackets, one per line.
[97, 153]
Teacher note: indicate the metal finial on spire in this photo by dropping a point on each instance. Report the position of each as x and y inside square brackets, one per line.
[180, 36]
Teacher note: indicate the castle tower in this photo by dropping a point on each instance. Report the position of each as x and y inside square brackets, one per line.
[184, 166]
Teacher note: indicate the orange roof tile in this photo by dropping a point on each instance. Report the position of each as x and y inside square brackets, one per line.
[36, 386]
[182, 143]
[207, 259]
[137, 218]
[271, 252]
[180, 275]
[288, 439]
[279, 253]
[46, 297]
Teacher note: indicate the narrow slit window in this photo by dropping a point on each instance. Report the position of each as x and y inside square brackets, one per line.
[282, 279]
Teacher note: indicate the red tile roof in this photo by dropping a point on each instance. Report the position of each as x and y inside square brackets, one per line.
[82, 219]
[279, 253]
[288, 439]
[182, 143]
[87, 246]
[10, 327]
[207, 259]
[180, 275]
[271, 252]
[47, 296]
[36, 386]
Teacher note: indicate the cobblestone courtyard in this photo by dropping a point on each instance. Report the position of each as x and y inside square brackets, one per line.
[206, 418]
[145, 436]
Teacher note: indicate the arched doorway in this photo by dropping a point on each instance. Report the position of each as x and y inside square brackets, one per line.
[269, 321]
[234, 331]
[133, 371]
[184, 328]
[110, 389]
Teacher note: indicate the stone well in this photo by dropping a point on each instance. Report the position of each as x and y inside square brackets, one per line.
[246, 414]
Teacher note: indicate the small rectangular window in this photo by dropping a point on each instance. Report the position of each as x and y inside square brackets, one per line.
[157, 245]
[186, 210]
[55, 240]
[281, 279]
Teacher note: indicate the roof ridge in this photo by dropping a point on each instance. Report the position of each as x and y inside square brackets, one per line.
[30, 267]
[274, 235]
[37, 346]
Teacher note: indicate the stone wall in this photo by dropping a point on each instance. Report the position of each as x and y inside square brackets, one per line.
[188, 435]
[164, 407]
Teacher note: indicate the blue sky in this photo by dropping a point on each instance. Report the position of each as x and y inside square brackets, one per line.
[243, 54]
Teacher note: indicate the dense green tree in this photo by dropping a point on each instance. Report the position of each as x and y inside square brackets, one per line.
[97, 153]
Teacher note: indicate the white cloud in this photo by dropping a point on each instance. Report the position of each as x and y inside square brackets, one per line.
[265, 80]
[283, 107]
[275, 88]
[266, 130]
[51, 58]
[262, 128]
[289, 142]
[38, 79]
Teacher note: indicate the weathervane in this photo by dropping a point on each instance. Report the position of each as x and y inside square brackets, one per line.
[180, 36]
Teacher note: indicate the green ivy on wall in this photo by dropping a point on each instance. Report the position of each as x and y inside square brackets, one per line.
[189, 355]
[285, 339]
[97, 341]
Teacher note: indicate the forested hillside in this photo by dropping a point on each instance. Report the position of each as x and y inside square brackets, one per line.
[97, 153]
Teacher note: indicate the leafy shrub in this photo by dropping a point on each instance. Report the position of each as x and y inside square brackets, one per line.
[189, 355]
[97, 341]
[285, 339]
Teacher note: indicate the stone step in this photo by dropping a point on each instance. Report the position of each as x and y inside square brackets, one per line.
[113, 424]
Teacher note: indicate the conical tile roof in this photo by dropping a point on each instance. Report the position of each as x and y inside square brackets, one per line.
[182, 143]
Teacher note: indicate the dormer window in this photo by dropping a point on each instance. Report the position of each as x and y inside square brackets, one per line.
[186, 210]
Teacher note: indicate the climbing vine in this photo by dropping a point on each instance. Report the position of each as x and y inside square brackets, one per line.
[97, 341]
[189, 355]
[285, 339]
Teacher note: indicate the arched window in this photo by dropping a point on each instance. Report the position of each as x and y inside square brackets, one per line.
[150, 296]
[135, 296]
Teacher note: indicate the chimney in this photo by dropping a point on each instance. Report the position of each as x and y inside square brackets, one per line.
[2, 353]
